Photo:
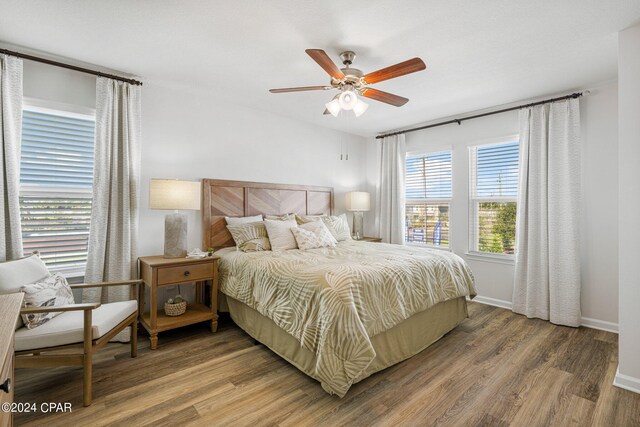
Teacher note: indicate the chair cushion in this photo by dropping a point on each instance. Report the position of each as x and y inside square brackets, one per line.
[14, 274]
[67, 328]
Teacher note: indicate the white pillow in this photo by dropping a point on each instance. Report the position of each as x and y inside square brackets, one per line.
[53, 291]
[242, 219]
[280, 234]
[338, 226]
[313, 235]
[14, 274]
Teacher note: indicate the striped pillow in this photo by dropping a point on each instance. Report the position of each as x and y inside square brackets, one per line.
[250, 237]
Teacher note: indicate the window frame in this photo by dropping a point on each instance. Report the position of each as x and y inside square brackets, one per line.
[472, 251]
[67, 110]
[449, 201]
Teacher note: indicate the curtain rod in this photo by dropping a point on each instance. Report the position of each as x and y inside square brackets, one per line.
[490, 113]
[68, 66]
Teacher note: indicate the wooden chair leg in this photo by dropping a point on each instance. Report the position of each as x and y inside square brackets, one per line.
[87, 360]
[134, 338]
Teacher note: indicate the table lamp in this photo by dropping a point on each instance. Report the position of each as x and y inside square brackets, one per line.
[358, 202]
[170, 194]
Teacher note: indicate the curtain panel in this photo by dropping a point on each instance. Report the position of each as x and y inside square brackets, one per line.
[10, 136]
[547, 270]
[390, 189]
[112, 253]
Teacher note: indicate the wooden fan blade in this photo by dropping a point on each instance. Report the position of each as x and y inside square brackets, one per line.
[401, 69]
[299, 89]
[326, 112]
[385, 97]
[323, 60]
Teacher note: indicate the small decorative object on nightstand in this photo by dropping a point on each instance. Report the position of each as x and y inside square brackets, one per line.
[371, 239]
[358, 202]
[171, 194]
[157, 271]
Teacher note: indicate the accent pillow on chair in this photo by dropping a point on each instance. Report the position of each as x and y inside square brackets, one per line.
[52, 291]
[14, 274]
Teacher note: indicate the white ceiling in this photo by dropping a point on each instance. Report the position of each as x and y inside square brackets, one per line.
[478, 53]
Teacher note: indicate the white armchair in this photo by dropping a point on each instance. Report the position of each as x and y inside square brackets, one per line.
[86, 326]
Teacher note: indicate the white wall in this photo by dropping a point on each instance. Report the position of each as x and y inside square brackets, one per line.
[494, 280]
[191, 135]
[629, 206]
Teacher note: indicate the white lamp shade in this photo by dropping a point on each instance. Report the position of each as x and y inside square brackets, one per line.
[360, 108]
[333, 107]
[171, 194]
[358, 201]
[348, 100]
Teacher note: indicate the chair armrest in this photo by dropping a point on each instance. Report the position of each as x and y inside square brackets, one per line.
[105, 284]
[61, 308]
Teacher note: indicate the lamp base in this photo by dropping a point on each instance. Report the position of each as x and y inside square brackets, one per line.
[358, 225]
[175, 235]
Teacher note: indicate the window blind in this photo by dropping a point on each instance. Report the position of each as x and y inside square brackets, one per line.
[496, 170]
[428, 176]
[56, 180]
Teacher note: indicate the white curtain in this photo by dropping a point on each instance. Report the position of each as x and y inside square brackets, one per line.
[390, 190]
[114, 213]
[10, 135]
[547, 273]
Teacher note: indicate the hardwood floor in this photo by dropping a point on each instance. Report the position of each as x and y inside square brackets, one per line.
[495, 369]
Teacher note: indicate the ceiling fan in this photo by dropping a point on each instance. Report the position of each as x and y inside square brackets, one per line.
[352, 81]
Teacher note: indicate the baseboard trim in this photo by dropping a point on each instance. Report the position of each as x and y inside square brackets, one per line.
[602, 325]
[493, 301]
[587, 322]
[626, 382]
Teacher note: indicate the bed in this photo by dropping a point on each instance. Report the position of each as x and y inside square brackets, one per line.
[337, 314]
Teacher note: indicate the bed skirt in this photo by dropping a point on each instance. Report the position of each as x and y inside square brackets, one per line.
[392, 346]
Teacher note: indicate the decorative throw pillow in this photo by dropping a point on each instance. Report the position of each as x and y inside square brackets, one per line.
[250, 237]
[303, 219]
[285, 217]
[338, 226]
[52, 291]
[313, 235]
[280, 234]
[242, 219]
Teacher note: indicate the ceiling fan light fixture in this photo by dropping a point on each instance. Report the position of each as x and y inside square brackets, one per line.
[360, 108]
[333, 107]
[348, 99]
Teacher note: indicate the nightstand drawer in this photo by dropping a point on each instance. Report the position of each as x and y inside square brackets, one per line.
[185, 273]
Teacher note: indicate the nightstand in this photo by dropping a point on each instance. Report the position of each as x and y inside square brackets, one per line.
[370, 239]
[157, 271]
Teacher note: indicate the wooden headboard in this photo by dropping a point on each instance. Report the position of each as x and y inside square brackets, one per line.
[222, 198]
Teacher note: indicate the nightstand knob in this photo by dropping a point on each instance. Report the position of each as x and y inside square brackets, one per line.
[186, 273]
[6, 386]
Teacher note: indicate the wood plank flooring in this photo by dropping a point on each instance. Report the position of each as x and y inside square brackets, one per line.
[495, 369]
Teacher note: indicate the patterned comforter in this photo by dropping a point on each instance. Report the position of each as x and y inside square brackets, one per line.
[333, 300]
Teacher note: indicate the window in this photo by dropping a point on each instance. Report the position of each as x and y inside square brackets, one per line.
[56, 179]
[428, 194]
[494, 190]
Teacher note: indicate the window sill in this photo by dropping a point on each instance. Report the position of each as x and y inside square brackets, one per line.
[489, 257]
